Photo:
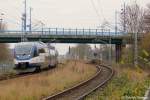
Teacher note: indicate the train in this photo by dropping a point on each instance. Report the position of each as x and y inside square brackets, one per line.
[34, 56]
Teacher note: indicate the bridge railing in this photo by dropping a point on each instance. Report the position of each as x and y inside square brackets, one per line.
[62, 31]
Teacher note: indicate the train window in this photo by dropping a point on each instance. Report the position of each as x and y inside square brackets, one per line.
[41, 50]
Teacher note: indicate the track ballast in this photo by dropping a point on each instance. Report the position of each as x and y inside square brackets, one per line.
[80, 91]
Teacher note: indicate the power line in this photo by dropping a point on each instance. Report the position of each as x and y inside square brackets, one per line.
[101, 8]
[96, 10]
[12, 21]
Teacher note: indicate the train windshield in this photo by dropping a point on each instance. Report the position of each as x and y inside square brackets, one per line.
[23, 49]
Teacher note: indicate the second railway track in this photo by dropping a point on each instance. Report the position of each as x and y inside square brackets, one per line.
[80, 91]
[8, 77]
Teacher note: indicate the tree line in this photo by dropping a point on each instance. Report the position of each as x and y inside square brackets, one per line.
[135, 18]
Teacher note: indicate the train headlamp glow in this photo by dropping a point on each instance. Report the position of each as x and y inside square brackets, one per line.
[28, 55]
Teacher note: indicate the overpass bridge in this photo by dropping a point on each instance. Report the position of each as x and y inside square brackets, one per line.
[57, 35]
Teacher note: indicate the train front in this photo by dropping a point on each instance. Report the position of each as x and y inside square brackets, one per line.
[25, 58]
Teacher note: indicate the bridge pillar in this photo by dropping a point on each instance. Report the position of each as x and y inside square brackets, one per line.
[118, 52]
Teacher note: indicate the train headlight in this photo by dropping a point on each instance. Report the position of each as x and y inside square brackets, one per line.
[28, 55]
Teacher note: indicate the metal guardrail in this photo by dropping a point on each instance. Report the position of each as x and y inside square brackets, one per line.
[56, 33]
[59, 31]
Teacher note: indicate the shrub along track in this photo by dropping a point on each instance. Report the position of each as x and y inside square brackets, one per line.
[80, 91]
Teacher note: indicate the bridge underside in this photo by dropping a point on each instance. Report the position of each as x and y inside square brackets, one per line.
[63, 40]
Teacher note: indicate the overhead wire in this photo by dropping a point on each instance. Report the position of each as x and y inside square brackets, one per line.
[10, 18]
[104, 18]
[102, 13]
[101, 8]
[95, 9]
[14, 20]
[37, 25]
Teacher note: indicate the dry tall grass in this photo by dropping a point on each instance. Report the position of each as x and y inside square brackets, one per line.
[4, 52]
[38, 86]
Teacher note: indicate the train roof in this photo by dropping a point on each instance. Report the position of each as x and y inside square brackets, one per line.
[39, 44]
[32, 43]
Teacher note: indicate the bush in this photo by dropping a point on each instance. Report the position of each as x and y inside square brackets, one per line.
[144, 50]
[128, 82]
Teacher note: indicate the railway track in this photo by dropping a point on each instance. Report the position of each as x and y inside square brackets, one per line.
[8, 77]
[80, 91]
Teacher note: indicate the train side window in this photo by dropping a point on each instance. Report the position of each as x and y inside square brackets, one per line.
[41, 50]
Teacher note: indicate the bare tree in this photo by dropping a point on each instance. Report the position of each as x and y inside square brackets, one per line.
[132, 18]
[147, 19]
[81, 51]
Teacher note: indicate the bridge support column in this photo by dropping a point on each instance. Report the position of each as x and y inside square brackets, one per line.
[118, 52]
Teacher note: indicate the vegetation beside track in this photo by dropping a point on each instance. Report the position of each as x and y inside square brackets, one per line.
[128, 82]
[47, 83]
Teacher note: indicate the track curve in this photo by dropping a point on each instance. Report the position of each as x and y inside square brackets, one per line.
[78, 92]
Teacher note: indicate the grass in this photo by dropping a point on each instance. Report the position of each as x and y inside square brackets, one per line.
[38, 86]
[4, 52]
[128, 82]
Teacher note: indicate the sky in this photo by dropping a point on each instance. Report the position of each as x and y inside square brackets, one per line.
[63, 13]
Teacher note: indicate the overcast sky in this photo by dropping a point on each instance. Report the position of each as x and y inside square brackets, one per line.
[63, 13]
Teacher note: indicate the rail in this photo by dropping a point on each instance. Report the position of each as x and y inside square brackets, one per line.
[83, 89]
